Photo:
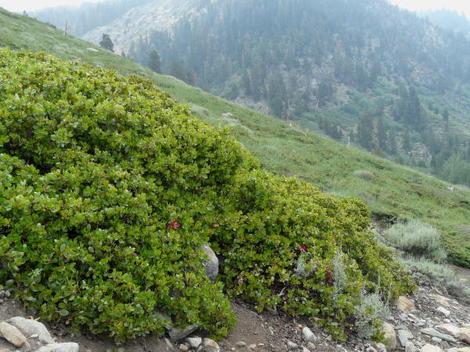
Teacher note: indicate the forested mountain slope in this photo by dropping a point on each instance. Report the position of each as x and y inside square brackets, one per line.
[361, 71]
[390, 190]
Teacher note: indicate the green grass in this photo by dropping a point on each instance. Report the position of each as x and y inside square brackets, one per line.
[395, 191]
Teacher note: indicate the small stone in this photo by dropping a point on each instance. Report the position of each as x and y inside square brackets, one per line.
[308, 335]
[436, 340]
[209, 345]
[462, 349]
[183, 347]
[390, 337]
[464, 335]
[443, 311]
[252, 347]
[434, 333]
[60, 347]
[241, 344]
[179, 334]
[12, 334]
[194, 342]
[305, 349]
[430, 348]
[380, 347]
[410, 347]
[450, 329]
[370, 349]
[441, 299]
[211, 264]
[292, 346]
[404, 336]
[404, 304]
[31, 328]
[311, 346]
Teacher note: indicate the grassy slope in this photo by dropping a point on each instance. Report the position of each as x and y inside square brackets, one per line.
[394, 190]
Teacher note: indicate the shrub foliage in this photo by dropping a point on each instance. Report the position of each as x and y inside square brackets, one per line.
[109, 189]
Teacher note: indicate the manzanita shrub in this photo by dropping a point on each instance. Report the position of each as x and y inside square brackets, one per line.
[109, 189]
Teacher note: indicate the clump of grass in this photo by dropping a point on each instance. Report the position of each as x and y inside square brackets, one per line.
[364, 174]
[369, 316]
[417, 239]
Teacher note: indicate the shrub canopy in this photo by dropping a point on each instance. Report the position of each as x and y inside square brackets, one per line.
[109, 189]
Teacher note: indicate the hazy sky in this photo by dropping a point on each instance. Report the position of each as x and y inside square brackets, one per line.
[459, 5]
[28, 5]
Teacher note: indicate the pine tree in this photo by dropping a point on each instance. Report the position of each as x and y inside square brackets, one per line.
[445, 116]
[107, 43]
[381, 135]
[365, 132]
[154, 61]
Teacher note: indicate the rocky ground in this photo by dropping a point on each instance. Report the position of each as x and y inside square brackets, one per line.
[430, 321]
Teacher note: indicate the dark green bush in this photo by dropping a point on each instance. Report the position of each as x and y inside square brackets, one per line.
[109, 189]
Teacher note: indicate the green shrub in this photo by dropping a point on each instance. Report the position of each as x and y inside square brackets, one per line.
[109, 189]
[418, 239]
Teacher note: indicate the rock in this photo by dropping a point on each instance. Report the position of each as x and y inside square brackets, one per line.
[410, 347]
[443, 311]
[183, 347]
[308, 335]
[464, 335]
[430, 348]
[436, 340]
[390, 337]
[12, 334]
[404, 336]
[241, 344]
[209, 345]
[305, 349]
[211, 265]
[381, 347]
[30, 327]
[292, 346]
[404, 304]
[311, 346]
[177, 335]
[434, 333]
[462, 349]
[450, 329]
[60, 347]
[194, 342]
[441, 299]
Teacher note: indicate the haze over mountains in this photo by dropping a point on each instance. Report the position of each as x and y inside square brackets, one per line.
[363, 72]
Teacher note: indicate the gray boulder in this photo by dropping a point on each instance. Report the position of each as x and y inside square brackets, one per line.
[30, 327]
[211, 264]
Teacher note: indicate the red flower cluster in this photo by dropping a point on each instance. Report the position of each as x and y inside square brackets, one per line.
[173, 225]
[303, 248]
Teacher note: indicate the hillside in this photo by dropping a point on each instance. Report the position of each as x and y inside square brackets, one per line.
[390, 190]
[366, 72]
